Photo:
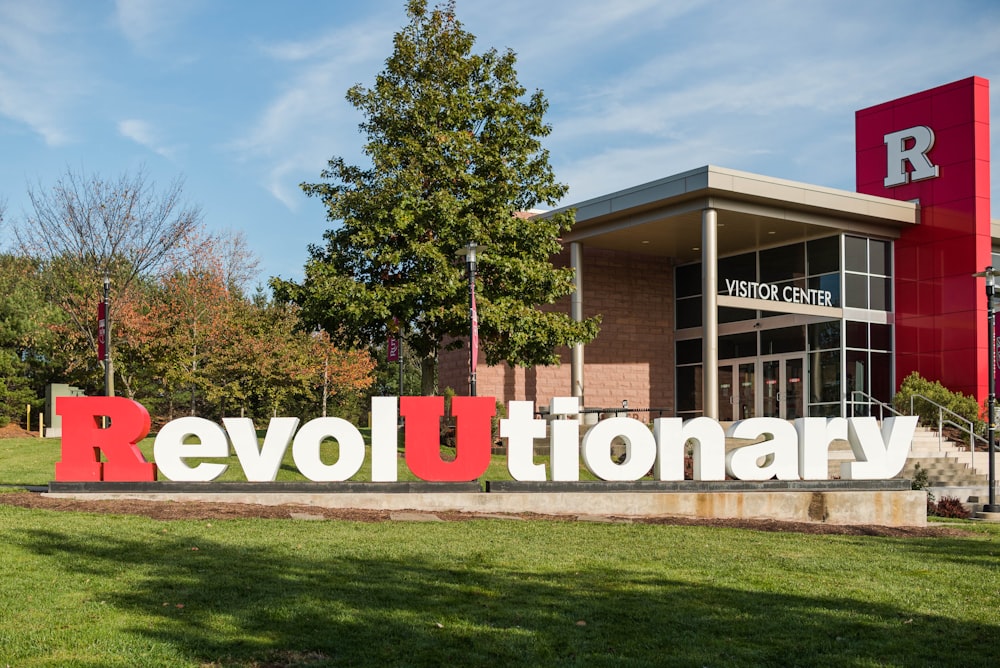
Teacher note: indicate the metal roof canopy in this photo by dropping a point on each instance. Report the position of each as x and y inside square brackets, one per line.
[664, 217]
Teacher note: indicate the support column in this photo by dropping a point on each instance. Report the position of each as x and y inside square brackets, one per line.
[576, 312]
[710, 312]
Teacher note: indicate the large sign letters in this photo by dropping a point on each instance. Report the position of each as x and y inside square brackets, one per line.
[797, 450]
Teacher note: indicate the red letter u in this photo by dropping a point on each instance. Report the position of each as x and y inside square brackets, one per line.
[423, 437]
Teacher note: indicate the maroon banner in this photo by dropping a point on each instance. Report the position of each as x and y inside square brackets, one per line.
[996, 366]
[102, 324]
[392, 349]
[475, 333]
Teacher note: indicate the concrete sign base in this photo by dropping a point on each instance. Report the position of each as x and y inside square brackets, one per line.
[881, 502]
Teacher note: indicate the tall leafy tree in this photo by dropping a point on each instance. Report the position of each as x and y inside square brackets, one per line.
[455, 152]
[26, 340]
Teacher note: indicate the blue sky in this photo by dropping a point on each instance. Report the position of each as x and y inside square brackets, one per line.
[244, 99]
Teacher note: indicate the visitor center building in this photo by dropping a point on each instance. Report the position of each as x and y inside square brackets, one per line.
[734, 295]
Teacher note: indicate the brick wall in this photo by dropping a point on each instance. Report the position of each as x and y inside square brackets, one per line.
[632, 358]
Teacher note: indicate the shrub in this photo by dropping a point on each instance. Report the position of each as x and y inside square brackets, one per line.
[960, 404]
[949, 506]
[921, 479]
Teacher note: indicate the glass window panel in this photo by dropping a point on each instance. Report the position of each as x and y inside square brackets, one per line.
[782, 263]
[689, 396]
[828, 283]
[881, 376]
[856, 254]
[738, 267]
[857, 374]
[783, 340]
[797, 282]
[823, 255]
[857, 334]
[738, 345]
[689, 312]
[689, 351]
[687, 281]
[879, 295]
[780, 292]
[881, 337]
[824, 335]
[824, 410]
[856, 286]
[878, 257]
[729, 314]
[824, 377]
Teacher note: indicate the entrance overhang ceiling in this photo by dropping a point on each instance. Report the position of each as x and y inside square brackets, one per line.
[664, 217]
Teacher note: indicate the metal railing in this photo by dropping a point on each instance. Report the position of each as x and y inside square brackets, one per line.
[870, 401]
[967, 426]
[962, 424]
[618, 411]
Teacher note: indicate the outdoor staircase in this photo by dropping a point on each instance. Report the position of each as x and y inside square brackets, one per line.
[951, 468]
[947, 464]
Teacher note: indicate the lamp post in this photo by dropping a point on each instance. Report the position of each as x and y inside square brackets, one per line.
[990, 275]
[109, 374]
[469, 252]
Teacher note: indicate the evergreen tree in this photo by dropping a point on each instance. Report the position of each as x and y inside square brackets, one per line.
[455, 153]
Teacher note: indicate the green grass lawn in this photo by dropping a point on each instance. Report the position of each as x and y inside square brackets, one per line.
[98, 590]
[91, 590]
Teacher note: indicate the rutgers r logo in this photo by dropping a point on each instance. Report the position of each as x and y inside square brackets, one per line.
[909, 146]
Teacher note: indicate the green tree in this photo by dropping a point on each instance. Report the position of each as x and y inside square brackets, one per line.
[26, 340]
[455, 150]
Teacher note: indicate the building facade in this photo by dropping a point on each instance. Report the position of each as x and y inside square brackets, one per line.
[734, 295]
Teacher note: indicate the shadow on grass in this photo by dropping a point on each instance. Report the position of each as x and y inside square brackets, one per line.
[243, 605]
[965, 552]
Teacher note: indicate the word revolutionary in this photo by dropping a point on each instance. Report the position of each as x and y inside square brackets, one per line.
[789, 451]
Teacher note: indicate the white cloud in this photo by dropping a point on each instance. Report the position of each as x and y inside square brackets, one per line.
[146, 23]
[144, 134]
[39, 75]
[563, 32]
[309, 120]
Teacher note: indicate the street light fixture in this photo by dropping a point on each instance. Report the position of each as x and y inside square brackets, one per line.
[469, 252]
[109, 373]
[990, 275]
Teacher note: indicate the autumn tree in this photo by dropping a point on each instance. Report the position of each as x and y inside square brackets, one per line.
[270, 363]
[455, 150]
[336, 372]
[86, 228]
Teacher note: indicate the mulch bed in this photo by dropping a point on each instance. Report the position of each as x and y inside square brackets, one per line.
[190, 510]
[11, 430]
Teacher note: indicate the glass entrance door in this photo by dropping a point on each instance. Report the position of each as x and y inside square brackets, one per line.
[726, 394]
[782, 391]
[794, 388]
[771, 392]
[737, 390]
[747, 390]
